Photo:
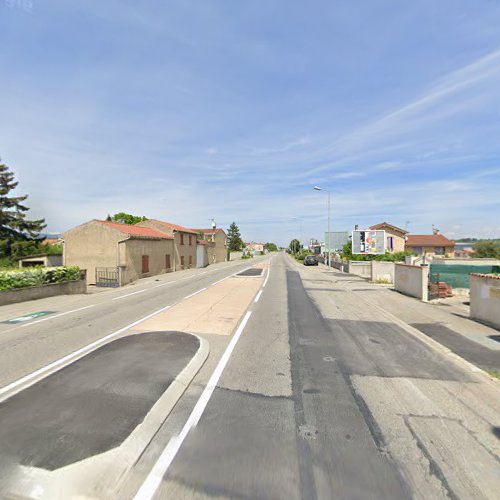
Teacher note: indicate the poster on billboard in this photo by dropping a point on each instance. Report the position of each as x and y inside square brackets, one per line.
[368, 242]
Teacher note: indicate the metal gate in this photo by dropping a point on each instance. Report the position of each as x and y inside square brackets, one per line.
[107, 276]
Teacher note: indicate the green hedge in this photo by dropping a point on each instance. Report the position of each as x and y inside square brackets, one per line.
[37, 276]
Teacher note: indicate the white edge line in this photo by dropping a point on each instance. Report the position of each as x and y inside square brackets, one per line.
[74, 354]
[267, 277]
[258, 296]
[57, 316]
[155, 477]
[129, 294]
[195, 293]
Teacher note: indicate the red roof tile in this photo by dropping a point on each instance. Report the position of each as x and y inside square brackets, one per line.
[133, 230]
[428, 240]
[175, 227]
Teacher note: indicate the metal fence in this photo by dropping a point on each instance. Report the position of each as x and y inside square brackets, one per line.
[107, 276]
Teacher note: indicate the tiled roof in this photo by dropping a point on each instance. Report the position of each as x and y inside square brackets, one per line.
[386, 224]
[428, 240]
[175, 227]
[133, 230]
[208, 231]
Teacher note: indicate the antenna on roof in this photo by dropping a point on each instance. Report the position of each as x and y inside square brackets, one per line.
[214, 225]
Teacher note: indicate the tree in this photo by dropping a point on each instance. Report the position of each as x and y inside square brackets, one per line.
[125, 218]
[14, 227]
[294, 246]
[271, 247]
[234, 241]
[487, 249]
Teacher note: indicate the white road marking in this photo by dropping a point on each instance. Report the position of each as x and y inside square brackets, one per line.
[267, 277]
[74, 354]
[193, 294]
[57, 316]
[154, 478]
[258, 296]
[129, 294]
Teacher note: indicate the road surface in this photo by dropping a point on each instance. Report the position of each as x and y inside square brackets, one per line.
[280, 382]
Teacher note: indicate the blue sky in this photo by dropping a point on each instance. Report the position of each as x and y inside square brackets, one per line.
[187, 110]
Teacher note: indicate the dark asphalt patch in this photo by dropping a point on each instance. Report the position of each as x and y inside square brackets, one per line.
[94, 404]
[477, 354]
[251, 272]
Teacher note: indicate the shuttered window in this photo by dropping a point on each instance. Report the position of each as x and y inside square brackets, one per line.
[145, 264]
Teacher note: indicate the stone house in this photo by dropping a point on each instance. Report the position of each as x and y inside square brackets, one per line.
[184, 241]
[116, 254]
[217, 244]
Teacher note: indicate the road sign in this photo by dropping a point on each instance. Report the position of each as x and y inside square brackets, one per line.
[336, 240]
[368, 242]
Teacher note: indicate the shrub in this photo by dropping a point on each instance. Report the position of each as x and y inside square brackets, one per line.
[247, 256]
[36, 276]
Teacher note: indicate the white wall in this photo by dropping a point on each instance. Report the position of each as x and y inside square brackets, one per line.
[383, 270]
[360, 268]
[412, 280]
[485, 298]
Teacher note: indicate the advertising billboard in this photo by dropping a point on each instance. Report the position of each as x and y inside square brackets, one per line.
[368, 242]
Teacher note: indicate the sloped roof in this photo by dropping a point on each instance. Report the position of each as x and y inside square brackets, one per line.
[386, 224]
[133, 230]
[428, 240]
[208, 230]
[175, 227]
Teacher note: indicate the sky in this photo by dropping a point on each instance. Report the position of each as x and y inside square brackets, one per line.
[188, 110]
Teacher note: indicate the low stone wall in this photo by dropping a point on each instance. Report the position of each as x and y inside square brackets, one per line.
[43, 291]
[485, 298]
[383, 271]
[412, 280]
[360, 268]
[235, 255]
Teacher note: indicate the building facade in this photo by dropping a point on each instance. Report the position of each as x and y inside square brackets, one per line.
[122, 252]
[430, 245]
[395, 237]
[217, 244]
[184, 242]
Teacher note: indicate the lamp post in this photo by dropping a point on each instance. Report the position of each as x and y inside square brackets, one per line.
[317, 188]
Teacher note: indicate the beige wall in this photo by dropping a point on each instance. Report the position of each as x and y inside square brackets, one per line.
[382, 271]
[91, 245]
[412, 280]
[131, 252]
[485, 298]
[185, 250]
[431, 251]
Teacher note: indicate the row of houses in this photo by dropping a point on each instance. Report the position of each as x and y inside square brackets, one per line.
[115, 254]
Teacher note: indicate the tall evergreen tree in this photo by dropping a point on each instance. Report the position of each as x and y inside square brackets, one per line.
[234, 241]
[13, 223]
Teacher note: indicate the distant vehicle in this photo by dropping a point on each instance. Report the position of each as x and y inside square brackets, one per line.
[310, 260]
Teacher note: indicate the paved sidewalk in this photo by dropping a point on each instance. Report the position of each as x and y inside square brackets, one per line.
[473, 341]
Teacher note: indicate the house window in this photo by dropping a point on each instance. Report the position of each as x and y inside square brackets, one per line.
[182, 238]
[439, 251]
[145, 264]
[390, 243]
[182, 260]
[190, 260]
[167, 261]
[417, 250]
[190, 240]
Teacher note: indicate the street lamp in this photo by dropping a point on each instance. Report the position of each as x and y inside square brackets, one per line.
[317, 188]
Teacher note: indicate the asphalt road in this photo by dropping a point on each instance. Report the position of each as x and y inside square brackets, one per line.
[319, 393]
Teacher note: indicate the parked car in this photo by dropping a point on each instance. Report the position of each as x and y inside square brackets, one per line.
[310, 260]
